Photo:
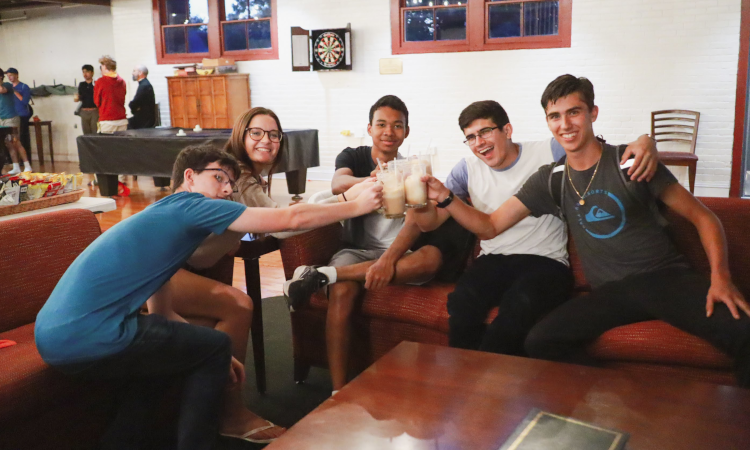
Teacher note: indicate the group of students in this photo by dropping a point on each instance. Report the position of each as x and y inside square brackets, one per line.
[102, 102]
[521, 195]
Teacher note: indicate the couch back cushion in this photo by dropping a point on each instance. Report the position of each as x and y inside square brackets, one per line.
[35, 252]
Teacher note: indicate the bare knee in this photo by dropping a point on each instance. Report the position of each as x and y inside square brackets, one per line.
[426, 261]
[241, 303]
[341, 299]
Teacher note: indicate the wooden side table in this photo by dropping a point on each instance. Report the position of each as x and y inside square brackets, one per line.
[39, 145]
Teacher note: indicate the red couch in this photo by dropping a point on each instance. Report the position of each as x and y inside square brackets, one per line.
[39, 407]
[419, 314]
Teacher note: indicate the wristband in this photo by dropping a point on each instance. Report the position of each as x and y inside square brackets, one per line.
[446, 202]
[342, 194]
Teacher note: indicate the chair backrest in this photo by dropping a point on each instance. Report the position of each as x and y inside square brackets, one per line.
[35, 252]
[675, 125]
[157, 122]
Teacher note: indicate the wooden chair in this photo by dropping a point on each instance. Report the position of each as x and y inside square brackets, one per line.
[677, 125]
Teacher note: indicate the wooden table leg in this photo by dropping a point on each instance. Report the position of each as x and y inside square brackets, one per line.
[51, 151]
[252, 281]
[39, 144]
[295, 182]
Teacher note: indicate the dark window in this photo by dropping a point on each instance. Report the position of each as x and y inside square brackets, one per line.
[426, 26]
[190, 30]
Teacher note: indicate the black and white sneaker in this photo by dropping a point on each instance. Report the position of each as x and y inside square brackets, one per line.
[305, 281]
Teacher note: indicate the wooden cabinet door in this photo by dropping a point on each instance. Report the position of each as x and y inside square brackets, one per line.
[191, 102]
[213, 102]
[176, 103]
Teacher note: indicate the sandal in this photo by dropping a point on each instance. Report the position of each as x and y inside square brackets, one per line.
[246, 436]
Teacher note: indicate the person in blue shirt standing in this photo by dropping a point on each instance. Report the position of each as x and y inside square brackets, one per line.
[91, 326]
[9, 118]
[23, 109]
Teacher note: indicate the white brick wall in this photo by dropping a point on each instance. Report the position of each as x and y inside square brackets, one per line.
[641, 55]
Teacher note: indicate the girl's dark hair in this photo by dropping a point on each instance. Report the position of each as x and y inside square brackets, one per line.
[197, 157]
[393, 102]
[486, 109]
[565, 85]
[236, 143]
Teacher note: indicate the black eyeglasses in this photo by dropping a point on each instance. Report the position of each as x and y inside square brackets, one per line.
[222, 181]
[484, 133]
[257, 134]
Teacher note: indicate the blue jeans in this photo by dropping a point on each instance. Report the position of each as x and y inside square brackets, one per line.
[161, 351]
[676, 296]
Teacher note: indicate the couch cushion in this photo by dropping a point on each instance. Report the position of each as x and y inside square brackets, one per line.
[36, 252]
[28, 385]
[418, 305]
[655, 341]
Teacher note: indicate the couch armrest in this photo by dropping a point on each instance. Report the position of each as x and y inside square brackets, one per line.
[316, 247]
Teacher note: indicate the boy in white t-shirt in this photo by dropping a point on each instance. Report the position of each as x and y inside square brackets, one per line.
[523, 271]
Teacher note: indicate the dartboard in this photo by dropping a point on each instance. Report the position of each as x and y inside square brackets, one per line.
[329, 50]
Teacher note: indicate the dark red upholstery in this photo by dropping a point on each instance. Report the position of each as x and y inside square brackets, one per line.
[418, 314]
[39, 407]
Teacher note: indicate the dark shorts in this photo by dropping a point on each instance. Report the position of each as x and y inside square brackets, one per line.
[455, 244]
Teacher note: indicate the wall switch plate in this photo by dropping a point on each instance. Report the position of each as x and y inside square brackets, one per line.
[391, 66]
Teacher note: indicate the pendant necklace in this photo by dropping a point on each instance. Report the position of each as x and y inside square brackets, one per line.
[567, 169]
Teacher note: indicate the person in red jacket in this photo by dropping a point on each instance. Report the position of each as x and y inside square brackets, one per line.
[109, 96]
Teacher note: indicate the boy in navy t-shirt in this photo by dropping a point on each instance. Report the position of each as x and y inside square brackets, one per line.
[90, 326]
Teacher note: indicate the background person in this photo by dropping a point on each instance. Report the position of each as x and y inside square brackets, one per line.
[9, 118]
[23, 109]
[89, 112]
[109, 96]
[143, 105]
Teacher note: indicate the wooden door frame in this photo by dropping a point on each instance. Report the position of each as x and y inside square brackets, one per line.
[739, 108]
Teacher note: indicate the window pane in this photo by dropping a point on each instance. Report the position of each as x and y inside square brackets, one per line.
[234, 36]
[197, 39]
[174, 40]
[418, 25]
[540, 18]
[260, 9]
[505, 20]
[450, 24]
[259, 34]
[236, 10]
[198, 11]
[186, 11]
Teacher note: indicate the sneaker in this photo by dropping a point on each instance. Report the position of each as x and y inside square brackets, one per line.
[305, 281]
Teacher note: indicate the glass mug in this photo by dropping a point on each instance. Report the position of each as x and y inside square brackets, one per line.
[415, 190]
[394, 206]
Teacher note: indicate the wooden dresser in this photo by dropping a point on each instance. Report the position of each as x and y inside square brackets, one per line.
[211, 101]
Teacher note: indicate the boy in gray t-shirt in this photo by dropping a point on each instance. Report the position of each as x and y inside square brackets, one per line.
[636, 272]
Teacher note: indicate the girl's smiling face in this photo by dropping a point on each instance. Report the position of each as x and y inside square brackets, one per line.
[264, 151]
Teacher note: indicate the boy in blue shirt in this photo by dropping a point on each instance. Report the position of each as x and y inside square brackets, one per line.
[9, 118]
[22, 93]
[91, 327]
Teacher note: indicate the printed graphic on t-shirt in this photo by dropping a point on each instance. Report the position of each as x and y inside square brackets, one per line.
[602, 215]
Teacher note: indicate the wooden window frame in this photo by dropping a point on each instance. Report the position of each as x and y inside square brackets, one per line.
[215, 37]
[477, 32]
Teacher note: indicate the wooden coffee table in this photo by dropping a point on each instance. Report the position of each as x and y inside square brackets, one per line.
[427, 397]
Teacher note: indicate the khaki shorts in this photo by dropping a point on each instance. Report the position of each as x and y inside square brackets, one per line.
[110, 126]
[14, 122]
